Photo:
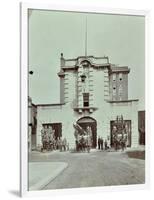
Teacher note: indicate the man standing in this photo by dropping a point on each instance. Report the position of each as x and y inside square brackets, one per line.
[60, 143]
[99, 142]
[108, 142]
[105, 144]
[64, 142]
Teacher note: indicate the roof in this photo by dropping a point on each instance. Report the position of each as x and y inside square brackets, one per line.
[116, 69]
[54, 104]
[94, 61]
[123, 101]
[61, 73]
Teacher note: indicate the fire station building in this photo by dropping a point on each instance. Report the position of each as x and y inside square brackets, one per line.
[93, 92]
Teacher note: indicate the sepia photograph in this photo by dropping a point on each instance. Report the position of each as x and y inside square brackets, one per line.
[86, 100]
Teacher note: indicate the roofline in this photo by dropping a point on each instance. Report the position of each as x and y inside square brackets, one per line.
[123, 101]
[33, 104]
[90, 56]
[117, 69]
[74, 67]
[54, 104]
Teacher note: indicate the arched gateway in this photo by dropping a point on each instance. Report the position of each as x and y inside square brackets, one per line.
[84, 122]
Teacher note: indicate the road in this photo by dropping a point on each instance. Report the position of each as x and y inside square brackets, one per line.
[94, 169]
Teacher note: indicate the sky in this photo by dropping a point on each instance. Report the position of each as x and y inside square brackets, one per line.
[120, 37]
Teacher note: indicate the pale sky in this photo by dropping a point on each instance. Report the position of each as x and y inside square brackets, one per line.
[51, 33]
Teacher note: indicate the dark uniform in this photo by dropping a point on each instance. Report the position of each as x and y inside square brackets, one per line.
[99, 142]
[106, 145]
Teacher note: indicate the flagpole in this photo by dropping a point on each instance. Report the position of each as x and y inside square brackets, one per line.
[86, 38]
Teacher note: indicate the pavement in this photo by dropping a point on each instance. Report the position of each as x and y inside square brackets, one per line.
[41, 173]
[97, 168]
[138, 148]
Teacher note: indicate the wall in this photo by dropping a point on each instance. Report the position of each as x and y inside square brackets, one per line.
[56, 114]
[70, 87]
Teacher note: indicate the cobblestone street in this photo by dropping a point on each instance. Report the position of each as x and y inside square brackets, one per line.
[94, 169]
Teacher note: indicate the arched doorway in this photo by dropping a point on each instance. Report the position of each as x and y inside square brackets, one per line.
[88, 121]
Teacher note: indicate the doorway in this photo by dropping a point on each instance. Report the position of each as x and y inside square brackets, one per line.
[128, 130]
[84, 122]
[57, 127]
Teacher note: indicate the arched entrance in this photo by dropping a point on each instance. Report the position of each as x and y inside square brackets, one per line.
[88, 121]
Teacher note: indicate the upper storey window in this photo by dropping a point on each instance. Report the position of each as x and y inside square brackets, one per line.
[114, 90]
[120, 90]
[85, 99]
[120, 77]
[114, 77]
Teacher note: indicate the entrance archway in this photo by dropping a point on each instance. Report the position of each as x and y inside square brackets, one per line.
[84, 122]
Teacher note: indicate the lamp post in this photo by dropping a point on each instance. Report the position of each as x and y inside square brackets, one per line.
[30, 120]
[31, 72]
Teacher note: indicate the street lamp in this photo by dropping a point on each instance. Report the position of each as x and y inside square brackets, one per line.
[31, 72]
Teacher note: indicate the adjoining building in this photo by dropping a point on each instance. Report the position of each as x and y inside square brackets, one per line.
[32, 124]
[141, 127]
[93, 92]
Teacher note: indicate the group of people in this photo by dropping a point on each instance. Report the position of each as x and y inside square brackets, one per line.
[103, 144]
[83, 143]
[119, 142]
[50, 142]
[119, 138]
[83, 138]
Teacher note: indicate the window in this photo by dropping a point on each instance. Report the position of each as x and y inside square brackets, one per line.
[114, 90]
[85, 99]
[120, 90]
[120, 76]
[114, 77]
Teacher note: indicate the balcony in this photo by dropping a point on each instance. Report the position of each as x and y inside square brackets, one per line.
[90, 109]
